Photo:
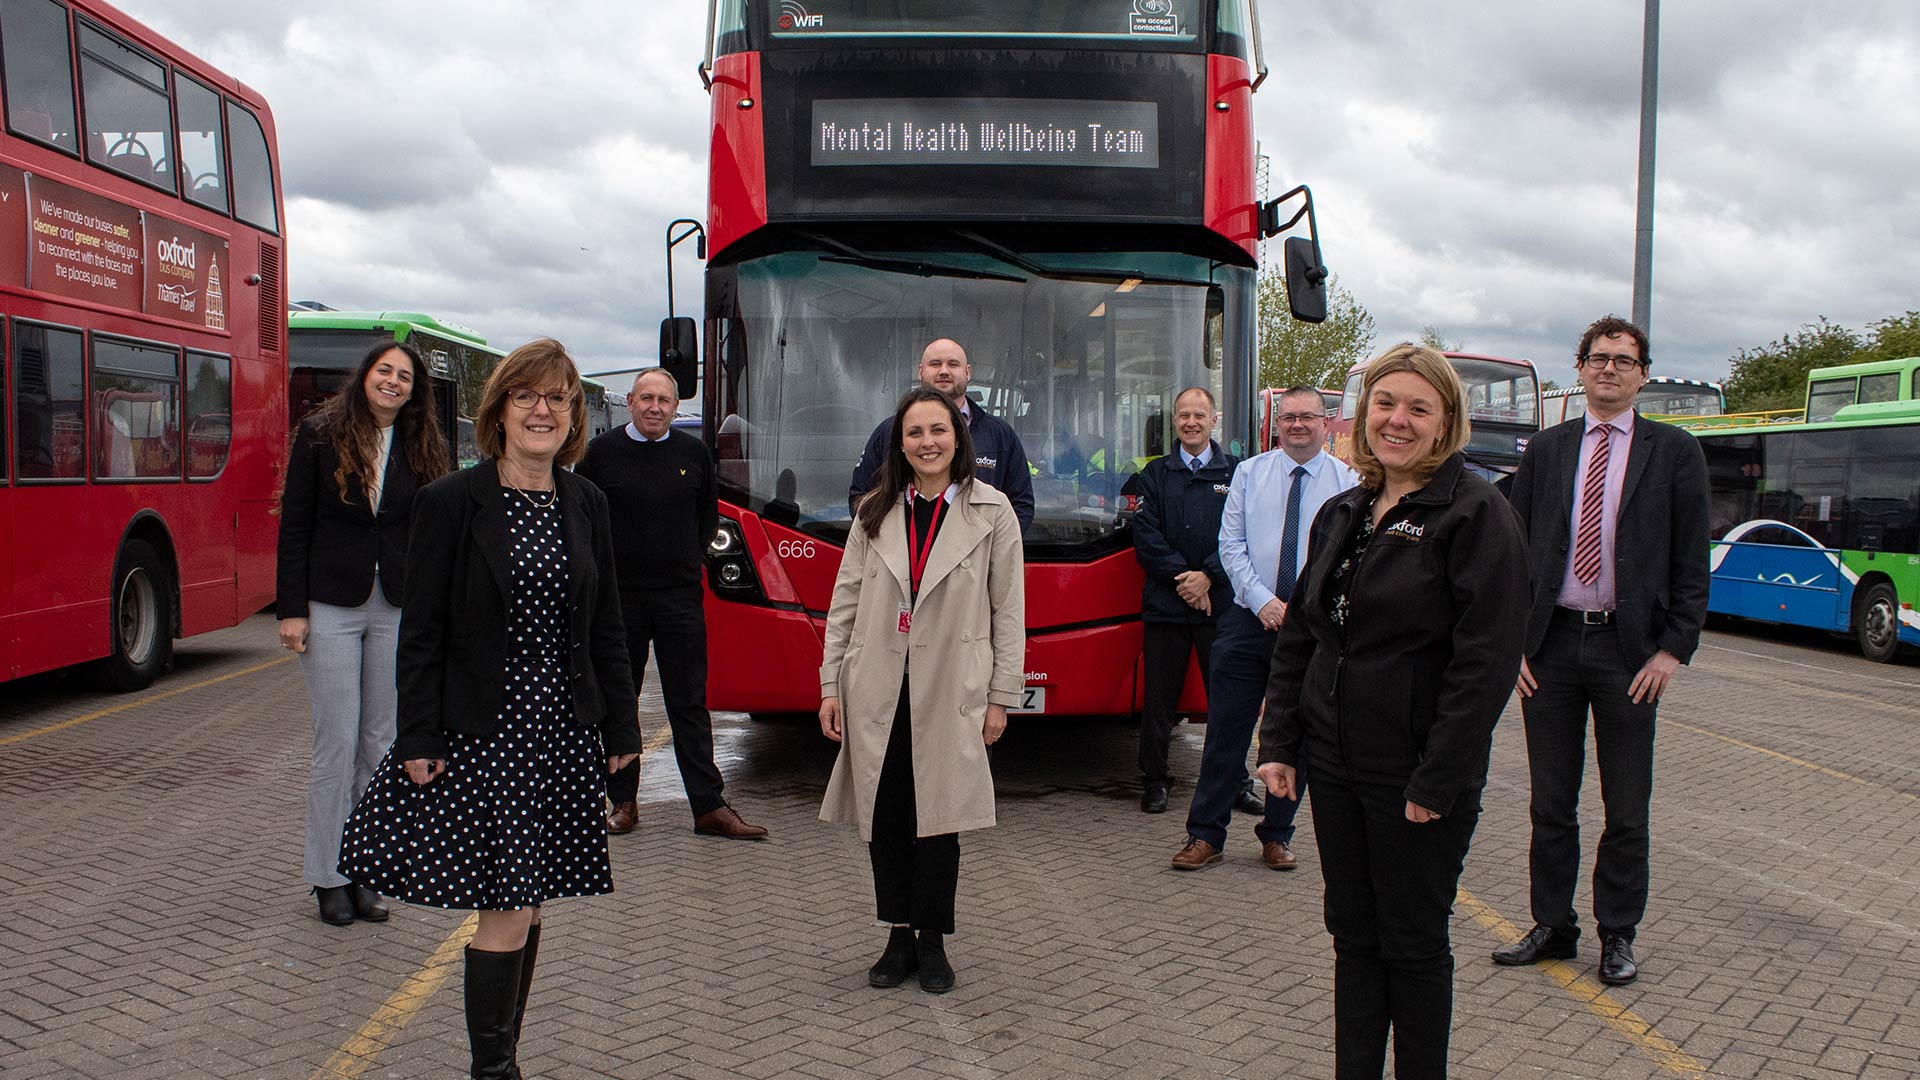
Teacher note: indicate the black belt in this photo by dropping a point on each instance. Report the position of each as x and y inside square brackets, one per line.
[1585, 618]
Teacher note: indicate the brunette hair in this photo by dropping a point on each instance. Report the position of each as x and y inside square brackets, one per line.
[347, 421]
[895, 474]
[1430, 365]
[1609, 326]
[529, 367]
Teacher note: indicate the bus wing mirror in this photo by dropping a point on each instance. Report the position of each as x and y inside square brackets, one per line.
[680, 353]
[1306, 281]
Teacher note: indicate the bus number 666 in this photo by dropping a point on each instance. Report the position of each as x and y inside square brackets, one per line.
[795, 549]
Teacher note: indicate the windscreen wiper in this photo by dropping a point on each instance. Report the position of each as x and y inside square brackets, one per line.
[1071, 273]
[855, 257]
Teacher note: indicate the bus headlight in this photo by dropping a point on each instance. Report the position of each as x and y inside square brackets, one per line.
[730, 565]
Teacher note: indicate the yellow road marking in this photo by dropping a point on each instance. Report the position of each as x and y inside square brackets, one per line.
[356, 1055]
[1668, 1056]
[137, 702]
[1790, 759]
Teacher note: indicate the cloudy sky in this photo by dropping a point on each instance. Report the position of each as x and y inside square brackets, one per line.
[512, 166]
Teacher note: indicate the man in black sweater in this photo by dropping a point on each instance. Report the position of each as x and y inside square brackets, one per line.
[661, 496]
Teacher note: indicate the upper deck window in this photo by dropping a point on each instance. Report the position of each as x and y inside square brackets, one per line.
[253, 200]
[34, 45]
[203, 169]
[129, 120]
[1165, 21]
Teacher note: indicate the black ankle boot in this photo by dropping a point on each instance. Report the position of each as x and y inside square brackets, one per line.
[527, 954]
[896, 963]
[936, 975]
[493, 990]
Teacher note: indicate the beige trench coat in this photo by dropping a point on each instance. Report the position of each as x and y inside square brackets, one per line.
[966, 648]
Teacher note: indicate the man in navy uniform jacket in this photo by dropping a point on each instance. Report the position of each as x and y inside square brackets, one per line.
[1176, 537]
[998, 457]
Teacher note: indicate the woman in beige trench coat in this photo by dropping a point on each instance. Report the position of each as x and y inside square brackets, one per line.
[925, 649]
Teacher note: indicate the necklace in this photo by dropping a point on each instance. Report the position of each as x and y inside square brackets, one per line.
[552, 494]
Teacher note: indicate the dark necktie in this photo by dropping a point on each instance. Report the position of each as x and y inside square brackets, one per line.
[1290, 538]
[1593, 494]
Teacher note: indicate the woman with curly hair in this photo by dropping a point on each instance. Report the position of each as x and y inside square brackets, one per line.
[345, 514]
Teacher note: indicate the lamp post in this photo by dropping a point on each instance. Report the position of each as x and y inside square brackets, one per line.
[1643, 213]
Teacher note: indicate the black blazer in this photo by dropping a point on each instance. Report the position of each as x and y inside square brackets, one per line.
[453, 627]
[328, 548]
[1660, 570]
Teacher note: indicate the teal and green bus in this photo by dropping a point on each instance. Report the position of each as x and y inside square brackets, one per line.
[323, 347]
[1817, 523]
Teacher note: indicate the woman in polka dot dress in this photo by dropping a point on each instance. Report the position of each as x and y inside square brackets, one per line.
[515, 692]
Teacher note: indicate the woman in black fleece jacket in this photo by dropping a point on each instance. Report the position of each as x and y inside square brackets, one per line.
[1389, 673]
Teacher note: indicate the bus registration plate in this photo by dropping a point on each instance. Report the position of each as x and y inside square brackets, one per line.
[1032, 700]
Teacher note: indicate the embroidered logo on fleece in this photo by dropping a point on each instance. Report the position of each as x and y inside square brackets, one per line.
[1406, 529]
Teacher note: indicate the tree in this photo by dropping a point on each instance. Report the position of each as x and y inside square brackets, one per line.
[1431, 338]
[1894, 338]
[1295, 353]
[1774, 376]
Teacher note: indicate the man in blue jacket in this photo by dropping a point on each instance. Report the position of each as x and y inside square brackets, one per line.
[1176, 537]
[998, 456]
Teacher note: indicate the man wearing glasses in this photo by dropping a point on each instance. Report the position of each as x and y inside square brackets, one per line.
[1616, 513]
[664, 508]
[1263, 546]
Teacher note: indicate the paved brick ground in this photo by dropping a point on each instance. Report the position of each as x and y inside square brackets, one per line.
[156, 926]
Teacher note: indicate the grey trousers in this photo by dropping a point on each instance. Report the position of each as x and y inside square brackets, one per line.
[350, 684]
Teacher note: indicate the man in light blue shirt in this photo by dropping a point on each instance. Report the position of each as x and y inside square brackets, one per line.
[1263, 547]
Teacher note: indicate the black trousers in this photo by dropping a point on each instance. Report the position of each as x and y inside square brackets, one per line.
[1580, 669]
[1390, 890]
[674, 623]
[1164, 651]
[914, 877]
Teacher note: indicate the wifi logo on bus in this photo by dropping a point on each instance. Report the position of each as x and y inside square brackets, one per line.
[795, 17]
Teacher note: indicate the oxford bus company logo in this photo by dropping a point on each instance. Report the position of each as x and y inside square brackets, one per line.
[1407, 529]
[795, 17]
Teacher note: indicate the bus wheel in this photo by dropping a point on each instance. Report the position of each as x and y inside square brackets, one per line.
[1877, 626]
[142, 619]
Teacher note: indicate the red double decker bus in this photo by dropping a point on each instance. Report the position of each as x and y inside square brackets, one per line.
[143, 394]
[1067, 190]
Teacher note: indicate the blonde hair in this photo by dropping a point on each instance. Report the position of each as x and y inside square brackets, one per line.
[529, 367]
[1434, 368]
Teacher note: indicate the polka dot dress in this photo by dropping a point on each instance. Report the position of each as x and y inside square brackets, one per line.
[516, 819]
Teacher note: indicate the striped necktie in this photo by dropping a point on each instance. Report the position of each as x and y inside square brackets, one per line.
[1593, 494]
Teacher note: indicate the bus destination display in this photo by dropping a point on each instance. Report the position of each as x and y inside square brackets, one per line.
[986, 131]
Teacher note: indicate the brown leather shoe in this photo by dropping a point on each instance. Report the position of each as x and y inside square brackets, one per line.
[1278, 856]
[622, 818]
[727, 822]
[1197, 855]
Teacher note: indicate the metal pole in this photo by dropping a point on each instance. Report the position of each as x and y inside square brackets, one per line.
[1643, 216]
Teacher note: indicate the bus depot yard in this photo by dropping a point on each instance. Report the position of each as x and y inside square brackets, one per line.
[157, 927]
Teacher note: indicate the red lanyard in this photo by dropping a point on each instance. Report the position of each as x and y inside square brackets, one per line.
[915, 548]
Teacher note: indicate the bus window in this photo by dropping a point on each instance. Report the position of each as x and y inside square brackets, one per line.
[252, 170]
[49, 417]
[1880, 387]
[209, 414]
[129, 120]
[36, 48]
[203, 170]
[136, 411]
[1829, 396]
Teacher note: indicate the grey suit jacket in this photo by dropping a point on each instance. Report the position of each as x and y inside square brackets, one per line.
[1660, 567]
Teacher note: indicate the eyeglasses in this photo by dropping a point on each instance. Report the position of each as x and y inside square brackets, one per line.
[1291, 418]
[1600, 361]
[524, 399]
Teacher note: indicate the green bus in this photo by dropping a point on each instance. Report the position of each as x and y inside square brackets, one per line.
[1817, 523]
[323, 347]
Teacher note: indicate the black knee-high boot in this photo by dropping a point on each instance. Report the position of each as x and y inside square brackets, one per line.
[528, 953]
[493, 993]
